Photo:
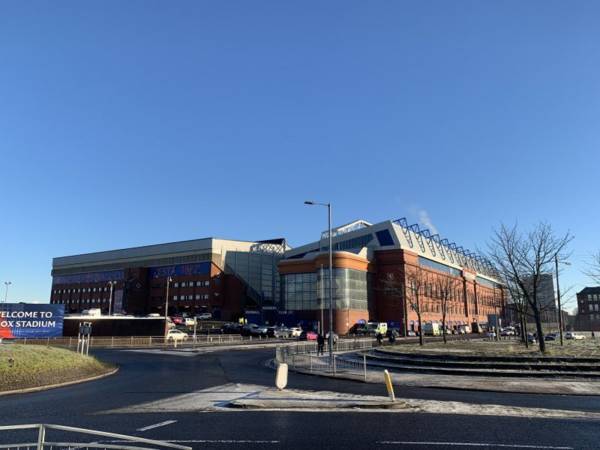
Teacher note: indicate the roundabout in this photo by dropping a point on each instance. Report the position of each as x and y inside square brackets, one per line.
[477, 365]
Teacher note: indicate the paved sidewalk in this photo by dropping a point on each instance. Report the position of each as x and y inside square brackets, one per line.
[188, 351]
[250, 397]
[493, 383]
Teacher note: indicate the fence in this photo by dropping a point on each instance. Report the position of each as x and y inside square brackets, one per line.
[304, 357]
[117, 441]
[146, 341]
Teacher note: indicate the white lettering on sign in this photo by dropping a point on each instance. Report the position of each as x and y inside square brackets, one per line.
[27, 323]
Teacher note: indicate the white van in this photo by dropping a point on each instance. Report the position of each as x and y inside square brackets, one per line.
[432, 329]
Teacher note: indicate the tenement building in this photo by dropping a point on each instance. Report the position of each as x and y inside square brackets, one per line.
[227, 278]
[388, 272]
[588, 309]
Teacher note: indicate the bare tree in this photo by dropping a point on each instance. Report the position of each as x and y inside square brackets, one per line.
[593, 270]
[416, 281]
[519, 305]
[521, 260]
[393, 286]
[446, 288]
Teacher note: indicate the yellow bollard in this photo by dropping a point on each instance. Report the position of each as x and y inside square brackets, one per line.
[388, 384]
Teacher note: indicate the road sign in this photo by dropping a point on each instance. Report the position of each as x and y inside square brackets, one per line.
[31, 320]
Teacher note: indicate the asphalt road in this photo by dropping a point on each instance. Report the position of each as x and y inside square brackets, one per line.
[150, 377]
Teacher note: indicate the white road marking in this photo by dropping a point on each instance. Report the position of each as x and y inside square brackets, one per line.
[208, 441]
[474, 444]
[223, 441]
[220, 398]
[157, 425]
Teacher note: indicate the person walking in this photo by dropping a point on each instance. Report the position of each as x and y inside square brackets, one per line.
[320, 344]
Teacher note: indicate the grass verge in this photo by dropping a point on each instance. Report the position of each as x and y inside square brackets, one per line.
[580, 349]
[28, 366]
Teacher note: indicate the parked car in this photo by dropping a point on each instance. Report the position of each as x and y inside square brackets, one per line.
[574, 336]
[550, 337]
[335, 338]
[411, 333]
[174, 335]
[178, 320]
[280, 332]
[154, 315]
[313, 335]
[432, 329]
[253, 329]
[360, 330]
[189, 321]
[296, 331]
[531, 338]
[204, 316]
[308, 336]
[392, 332]
[231, 328]
[491, 334]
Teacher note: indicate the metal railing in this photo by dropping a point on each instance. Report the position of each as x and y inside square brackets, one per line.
[200, 340]
[147, 341]
[304, 357]
[313, 363]
[117, 441]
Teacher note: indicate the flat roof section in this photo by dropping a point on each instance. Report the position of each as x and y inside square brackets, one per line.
[146, 251]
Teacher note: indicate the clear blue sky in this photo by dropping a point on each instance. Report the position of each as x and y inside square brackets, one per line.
[139, 122]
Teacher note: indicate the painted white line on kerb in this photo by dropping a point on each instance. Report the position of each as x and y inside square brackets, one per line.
[207, 441]
[475, 444]
[157, 425]
[221, 441]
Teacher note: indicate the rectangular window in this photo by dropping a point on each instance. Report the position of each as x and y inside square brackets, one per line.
[197, 296]
[198, 283]
[439, 266]
[175, 297]
[384, 237]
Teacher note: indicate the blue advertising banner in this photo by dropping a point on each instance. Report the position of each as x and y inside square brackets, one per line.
[202, 268]
[31, 320]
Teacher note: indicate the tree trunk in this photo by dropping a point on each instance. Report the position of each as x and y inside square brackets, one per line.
[521, 331]
[420, 330]
[540, 331]
[524, 329]
[444, 329]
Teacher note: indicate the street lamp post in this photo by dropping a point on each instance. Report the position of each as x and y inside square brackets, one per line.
[560, 317]
[322, 295]
[6, 284]
[169, 280]
[328, 205]
[110, 297]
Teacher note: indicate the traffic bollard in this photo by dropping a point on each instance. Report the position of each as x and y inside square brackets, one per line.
[388, 384]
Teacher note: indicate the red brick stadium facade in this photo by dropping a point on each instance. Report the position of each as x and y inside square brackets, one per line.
[368, 259]
[205, 275]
